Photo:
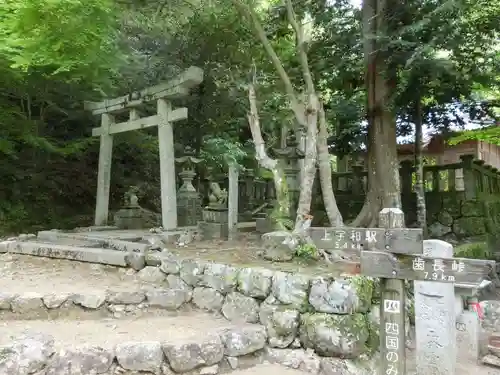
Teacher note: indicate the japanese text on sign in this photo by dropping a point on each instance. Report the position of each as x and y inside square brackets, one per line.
[350, 239]
[392, 306]
[392, 346]
[438, 270]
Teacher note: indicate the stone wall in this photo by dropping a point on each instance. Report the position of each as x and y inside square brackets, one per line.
[333, 317]
[453, 218]
[303, 316]
[328, 315]
[450, 216]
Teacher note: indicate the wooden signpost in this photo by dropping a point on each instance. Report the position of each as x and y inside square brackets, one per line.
[395, 254]
[399, 241]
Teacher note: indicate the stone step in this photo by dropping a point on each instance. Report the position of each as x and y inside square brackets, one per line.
[22, 273]
[185, 342]
[268, 369]
[81, 254]
[194, 344]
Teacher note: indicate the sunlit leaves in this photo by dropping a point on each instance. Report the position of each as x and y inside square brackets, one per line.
[58, 36]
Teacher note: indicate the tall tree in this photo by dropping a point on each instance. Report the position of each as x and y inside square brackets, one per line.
[307, 109]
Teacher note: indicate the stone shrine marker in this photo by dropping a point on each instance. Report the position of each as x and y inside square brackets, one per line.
[108, 109]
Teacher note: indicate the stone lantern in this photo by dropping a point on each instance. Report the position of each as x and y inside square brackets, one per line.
[188, 199]
[289, 155]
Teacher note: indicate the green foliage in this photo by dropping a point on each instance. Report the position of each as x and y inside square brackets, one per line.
[54, 54]
[221, 152]
[477, 250]
[59, 36]
[364, 288]
[307, 251]
[489, 135]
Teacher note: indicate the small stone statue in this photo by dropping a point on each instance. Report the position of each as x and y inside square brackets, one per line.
[217, 197]
[130, 198]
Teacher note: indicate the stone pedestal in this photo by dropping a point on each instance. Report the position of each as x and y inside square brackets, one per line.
[188, 201]
[264, 223]
[136, 218]
[214, 224]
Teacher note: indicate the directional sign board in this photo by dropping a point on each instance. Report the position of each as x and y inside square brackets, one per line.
[397, 240]
[417, 267]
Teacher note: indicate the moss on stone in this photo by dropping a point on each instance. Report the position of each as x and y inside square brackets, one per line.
[364, 287]
[353, 326]
[477, 250]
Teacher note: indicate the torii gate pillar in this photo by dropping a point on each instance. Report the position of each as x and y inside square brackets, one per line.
[164, 119]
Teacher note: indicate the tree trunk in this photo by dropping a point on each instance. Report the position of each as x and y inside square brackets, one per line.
[419, 170]
[282, 196]
[306, 110]
[308, 172]
[325, 174]
[383, 165]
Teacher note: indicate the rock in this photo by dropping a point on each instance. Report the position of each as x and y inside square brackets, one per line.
[220, 277]
[255, 282]
[281, 322]
[153, 258]
[274, 248]
[233, 362]
[495, 350]
[151, 275]
[136, 261]
[289, 289]
[242, 341]
[333, 366]
[140, 356]
[90, 301]
[170, 299]
[126, 298]
[338, 296]
[438, 230]
[26, 355]
[491, 314]
[210, 370]
[191, 271]
[166, 370]
[207, 299]
[300, 359]
[238, 307]
[491, 360]
[84, 360]
[54, 301]
[175, 282]
[170, 264]
[5, 300]
[296, 344]
[334, 335]
[29, 301]
[189, 356]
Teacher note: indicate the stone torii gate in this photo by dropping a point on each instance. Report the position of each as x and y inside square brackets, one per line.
[176, 88]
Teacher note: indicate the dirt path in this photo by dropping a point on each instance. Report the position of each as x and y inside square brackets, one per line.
[461, 367]
[22, 273]
[109, 332]
[268, 369]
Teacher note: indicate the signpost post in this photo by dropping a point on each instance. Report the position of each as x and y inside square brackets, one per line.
[395, 254]
[391, 238]
[392, 305]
